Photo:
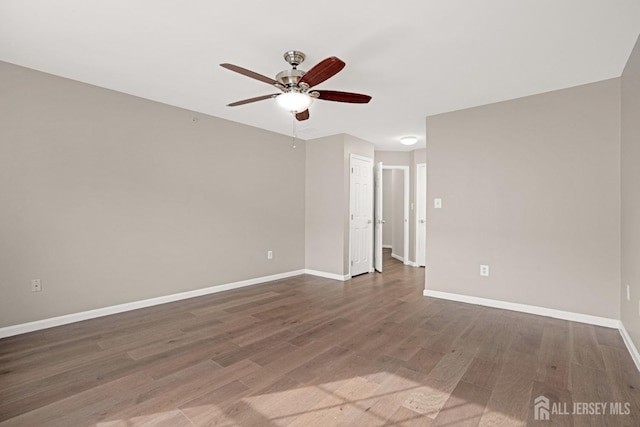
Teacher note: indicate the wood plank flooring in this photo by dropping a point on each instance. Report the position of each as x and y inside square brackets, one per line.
[307, 351]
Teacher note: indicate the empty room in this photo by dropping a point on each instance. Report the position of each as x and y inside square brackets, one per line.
[362, 213]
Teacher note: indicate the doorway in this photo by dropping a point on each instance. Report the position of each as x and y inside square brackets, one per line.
[392, 213]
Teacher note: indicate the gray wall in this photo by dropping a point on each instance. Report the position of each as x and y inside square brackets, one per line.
[324, 211]
[327, 191]
[393, 158]
[630, 84]
[532, 188]
[110, 198]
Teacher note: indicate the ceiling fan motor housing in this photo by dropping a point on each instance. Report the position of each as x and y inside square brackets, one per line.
[290, 78]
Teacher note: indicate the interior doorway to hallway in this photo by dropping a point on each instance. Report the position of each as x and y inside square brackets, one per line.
[392, 213]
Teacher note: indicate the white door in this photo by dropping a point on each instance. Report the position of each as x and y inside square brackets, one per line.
[361, 201]
[379, 222]
[421, 213]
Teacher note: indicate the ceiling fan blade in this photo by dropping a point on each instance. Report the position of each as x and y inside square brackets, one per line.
[322, 71]
[249, 73]
[302, 116]
[333, 95]
[257, 98]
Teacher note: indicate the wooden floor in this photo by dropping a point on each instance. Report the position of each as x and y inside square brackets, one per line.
[307, 351]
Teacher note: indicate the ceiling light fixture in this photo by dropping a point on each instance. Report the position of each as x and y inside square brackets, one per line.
[408, 140]
[294, 102]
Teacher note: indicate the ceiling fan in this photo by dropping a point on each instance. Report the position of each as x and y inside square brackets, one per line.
[295, 85]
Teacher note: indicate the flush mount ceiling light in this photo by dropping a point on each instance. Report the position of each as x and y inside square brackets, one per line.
[408, 140]
[294, 102]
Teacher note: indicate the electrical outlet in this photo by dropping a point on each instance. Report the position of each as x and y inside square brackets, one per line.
[628, 293]
[36, 285]
[269, 254]
[484, 270]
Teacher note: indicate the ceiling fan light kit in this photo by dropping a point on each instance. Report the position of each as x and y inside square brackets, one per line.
[295, 85]
[294, 102]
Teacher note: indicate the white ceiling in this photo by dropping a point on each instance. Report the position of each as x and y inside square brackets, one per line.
[414, 57]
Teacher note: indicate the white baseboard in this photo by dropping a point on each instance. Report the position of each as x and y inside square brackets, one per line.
[630, 346]
[549, 312]
[114, 309]
[405, 262]
[524, 308]
[327, 275]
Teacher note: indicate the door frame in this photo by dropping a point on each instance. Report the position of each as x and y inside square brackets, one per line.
[378, 215]
[370, 161]
[406, 192]
[424, 195]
